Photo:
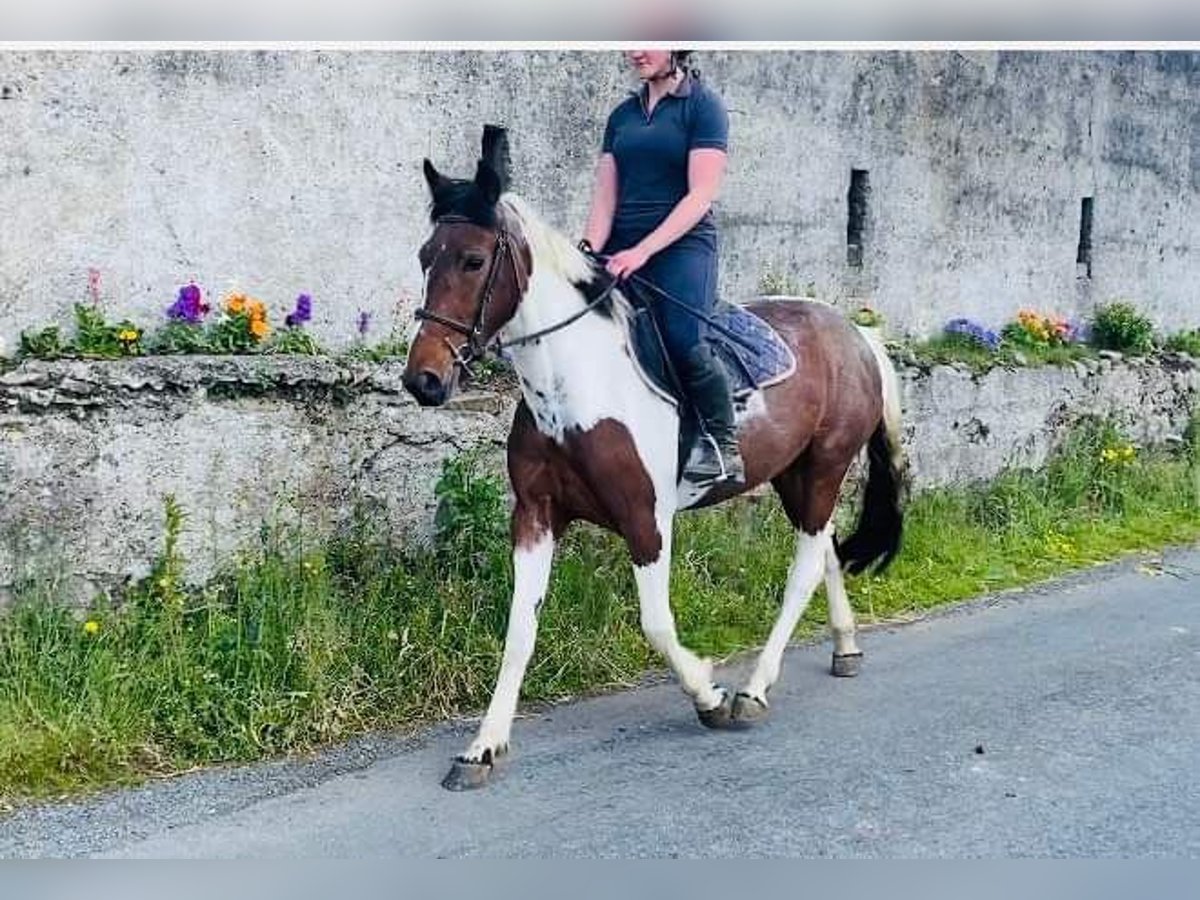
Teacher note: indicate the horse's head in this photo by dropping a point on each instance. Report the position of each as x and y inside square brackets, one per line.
[476, 267]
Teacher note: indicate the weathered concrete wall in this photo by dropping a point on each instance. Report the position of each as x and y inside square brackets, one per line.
[88, 450]
[282, 172]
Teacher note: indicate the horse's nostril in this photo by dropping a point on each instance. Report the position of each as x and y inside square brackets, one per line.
[426, 387]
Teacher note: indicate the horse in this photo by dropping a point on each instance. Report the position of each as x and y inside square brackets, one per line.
[591, 441]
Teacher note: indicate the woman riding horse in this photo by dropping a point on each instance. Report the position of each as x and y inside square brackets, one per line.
[660, 169]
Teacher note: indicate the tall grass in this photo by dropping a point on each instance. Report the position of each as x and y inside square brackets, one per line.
[296, 646]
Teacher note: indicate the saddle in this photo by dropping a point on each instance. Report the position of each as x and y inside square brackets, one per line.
[753, 354]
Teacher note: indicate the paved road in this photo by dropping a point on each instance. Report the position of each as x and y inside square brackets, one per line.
[1059, 721]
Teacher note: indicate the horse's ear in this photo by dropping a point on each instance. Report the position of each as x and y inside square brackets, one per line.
[488, 182]
[495, 153]
[435, 179]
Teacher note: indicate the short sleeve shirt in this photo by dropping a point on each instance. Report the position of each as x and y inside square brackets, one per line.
[651, 151]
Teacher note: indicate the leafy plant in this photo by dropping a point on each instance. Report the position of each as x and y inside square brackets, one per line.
[96, 337]
[1119, 326]
[1184, 342]
[43, 344]
[471, 525]
[866, 317]
[774, 283]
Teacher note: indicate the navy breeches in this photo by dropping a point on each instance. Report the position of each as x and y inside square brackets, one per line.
[687, 270]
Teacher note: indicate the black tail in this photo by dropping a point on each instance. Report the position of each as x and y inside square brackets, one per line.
[881, 522]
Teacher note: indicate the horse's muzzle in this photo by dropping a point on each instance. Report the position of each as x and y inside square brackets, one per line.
[427, 388]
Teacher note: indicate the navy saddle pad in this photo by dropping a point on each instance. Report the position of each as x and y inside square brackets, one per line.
[754, 355]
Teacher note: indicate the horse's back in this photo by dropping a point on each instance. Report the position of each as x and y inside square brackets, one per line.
[822, 338]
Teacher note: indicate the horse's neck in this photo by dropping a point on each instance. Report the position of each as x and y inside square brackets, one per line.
[580, 374]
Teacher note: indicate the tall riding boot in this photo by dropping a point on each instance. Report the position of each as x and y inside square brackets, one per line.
[715, 457]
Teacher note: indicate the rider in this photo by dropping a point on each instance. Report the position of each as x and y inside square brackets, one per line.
[659, 171]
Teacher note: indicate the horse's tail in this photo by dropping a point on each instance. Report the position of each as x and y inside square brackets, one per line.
[881, 522]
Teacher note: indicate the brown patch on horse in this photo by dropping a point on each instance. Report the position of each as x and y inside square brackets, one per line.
[595, 475]
[815, 420]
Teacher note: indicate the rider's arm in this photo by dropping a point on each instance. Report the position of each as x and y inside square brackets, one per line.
[604, 202]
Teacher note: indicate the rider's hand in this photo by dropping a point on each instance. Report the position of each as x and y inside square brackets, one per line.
[625, 263]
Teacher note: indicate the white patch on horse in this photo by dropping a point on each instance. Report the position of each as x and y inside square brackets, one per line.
[582, 374]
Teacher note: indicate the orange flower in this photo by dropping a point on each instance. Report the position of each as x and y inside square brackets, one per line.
[257, 310]
[235, 303]
[259, 328]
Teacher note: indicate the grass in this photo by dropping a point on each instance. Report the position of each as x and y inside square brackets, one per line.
[948, 348]
[296, 646]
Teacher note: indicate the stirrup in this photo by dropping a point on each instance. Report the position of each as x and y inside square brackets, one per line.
[724, 474]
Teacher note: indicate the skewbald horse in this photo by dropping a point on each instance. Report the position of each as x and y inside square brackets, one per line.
[591, 441]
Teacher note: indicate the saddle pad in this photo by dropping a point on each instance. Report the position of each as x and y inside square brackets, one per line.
[754, 355]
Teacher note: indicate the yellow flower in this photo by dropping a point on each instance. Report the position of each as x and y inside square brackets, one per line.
[91, 626]
[128, 335]
[1127, 452]
[259, 328]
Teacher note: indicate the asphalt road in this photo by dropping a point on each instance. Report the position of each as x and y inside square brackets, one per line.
[1060, 721]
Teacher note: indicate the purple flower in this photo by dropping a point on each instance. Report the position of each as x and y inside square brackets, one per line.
[301, 314]
[189, 306]
[364, 322]
[985, 337]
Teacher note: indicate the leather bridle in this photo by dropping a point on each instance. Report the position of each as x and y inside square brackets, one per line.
[477, 345]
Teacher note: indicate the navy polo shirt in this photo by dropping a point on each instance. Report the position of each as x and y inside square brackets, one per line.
[651, 151]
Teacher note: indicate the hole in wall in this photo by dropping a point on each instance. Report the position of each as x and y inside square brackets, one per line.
[856, 223]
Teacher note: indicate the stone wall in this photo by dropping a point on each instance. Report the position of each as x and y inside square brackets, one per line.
[88, 450]
[276, 172]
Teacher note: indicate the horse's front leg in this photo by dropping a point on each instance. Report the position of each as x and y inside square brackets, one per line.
[533, 551]
[713, 703]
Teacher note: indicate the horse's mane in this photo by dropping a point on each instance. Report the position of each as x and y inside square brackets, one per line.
[549, 246]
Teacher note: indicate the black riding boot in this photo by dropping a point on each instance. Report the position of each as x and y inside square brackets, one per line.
[715, 457]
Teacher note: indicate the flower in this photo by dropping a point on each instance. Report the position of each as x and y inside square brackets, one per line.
[94, 285]
[364, 322]
[259, 328]
[985, 337]
[301, 314]
[235, 304]
[189, 306]
[127, 335]
[91, 627]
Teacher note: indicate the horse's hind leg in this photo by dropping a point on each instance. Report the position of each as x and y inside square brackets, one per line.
[847, 658]
[808, 490]
[808, 565]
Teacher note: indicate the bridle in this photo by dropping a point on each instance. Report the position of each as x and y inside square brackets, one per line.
[476, 346]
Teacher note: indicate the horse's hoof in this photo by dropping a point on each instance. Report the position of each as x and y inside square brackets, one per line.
[748, 710]
[846, 665]
[467, 776]
[721, 715]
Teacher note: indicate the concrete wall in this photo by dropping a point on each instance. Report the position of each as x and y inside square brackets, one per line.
[88, 450]
[282, 172]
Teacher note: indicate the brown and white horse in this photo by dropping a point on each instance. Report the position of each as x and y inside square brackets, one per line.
[590, 440]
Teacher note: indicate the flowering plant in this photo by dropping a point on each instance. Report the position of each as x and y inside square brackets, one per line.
[184, 331]
[242, 326]
[1032, 329]
[293, 338]
[974, 333]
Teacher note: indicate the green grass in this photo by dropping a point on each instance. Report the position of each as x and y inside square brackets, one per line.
[948, 348]
[296, 646]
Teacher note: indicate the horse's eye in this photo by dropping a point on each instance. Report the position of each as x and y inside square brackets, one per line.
[473, 263]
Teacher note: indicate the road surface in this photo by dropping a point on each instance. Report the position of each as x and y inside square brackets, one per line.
[1063, 720]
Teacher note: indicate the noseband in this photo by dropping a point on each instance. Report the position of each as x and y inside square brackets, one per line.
[477, 346]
